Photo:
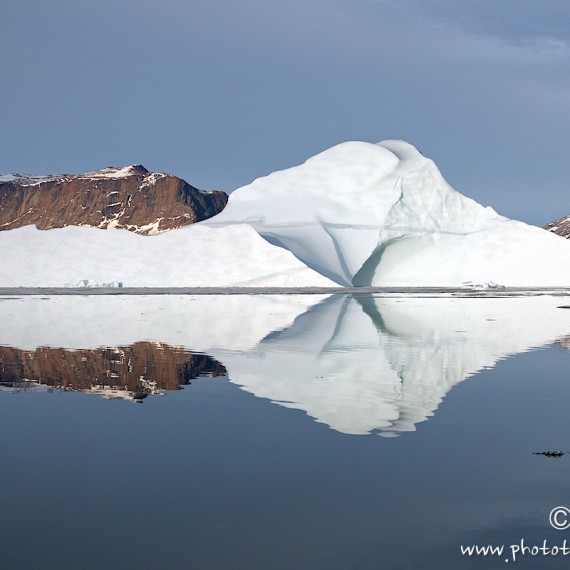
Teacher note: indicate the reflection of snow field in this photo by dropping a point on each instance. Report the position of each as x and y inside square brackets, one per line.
[356, 365]
[234, 322]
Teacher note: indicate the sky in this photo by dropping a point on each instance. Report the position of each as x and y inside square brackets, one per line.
[220, 92]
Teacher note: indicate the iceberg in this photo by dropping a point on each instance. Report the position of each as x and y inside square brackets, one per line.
[357, 214]
[383, 215]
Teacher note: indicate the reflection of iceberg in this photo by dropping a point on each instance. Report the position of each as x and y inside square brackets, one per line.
[385, 364]
[359, 365]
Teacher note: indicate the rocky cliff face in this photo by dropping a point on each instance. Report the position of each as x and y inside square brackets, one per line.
[131, 198]
[560, 227]
[128, 372]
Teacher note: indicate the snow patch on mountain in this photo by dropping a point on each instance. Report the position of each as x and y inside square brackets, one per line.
[109, 172]
[114, 172]
[28, 180]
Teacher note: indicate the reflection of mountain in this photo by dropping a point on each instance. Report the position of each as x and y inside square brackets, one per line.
[131, 372]
[385, 364]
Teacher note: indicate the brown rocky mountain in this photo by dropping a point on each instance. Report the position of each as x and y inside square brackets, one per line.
[560, 227]
[130, 372]
[564, 342]
[130, 198]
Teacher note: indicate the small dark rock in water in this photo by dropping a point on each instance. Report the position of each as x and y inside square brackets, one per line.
[549, 453]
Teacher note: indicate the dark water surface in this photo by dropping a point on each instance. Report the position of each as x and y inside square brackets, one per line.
[347, 434]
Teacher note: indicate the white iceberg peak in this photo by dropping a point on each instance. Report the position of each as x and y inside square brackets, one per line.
[383, 215]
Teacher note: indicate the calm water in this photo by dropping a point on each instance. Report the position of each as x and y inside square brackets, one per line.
[317, 433]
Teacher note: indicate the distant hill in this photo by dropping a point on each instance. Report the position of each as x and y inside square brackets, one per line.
[560, 227]
[130, 198]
